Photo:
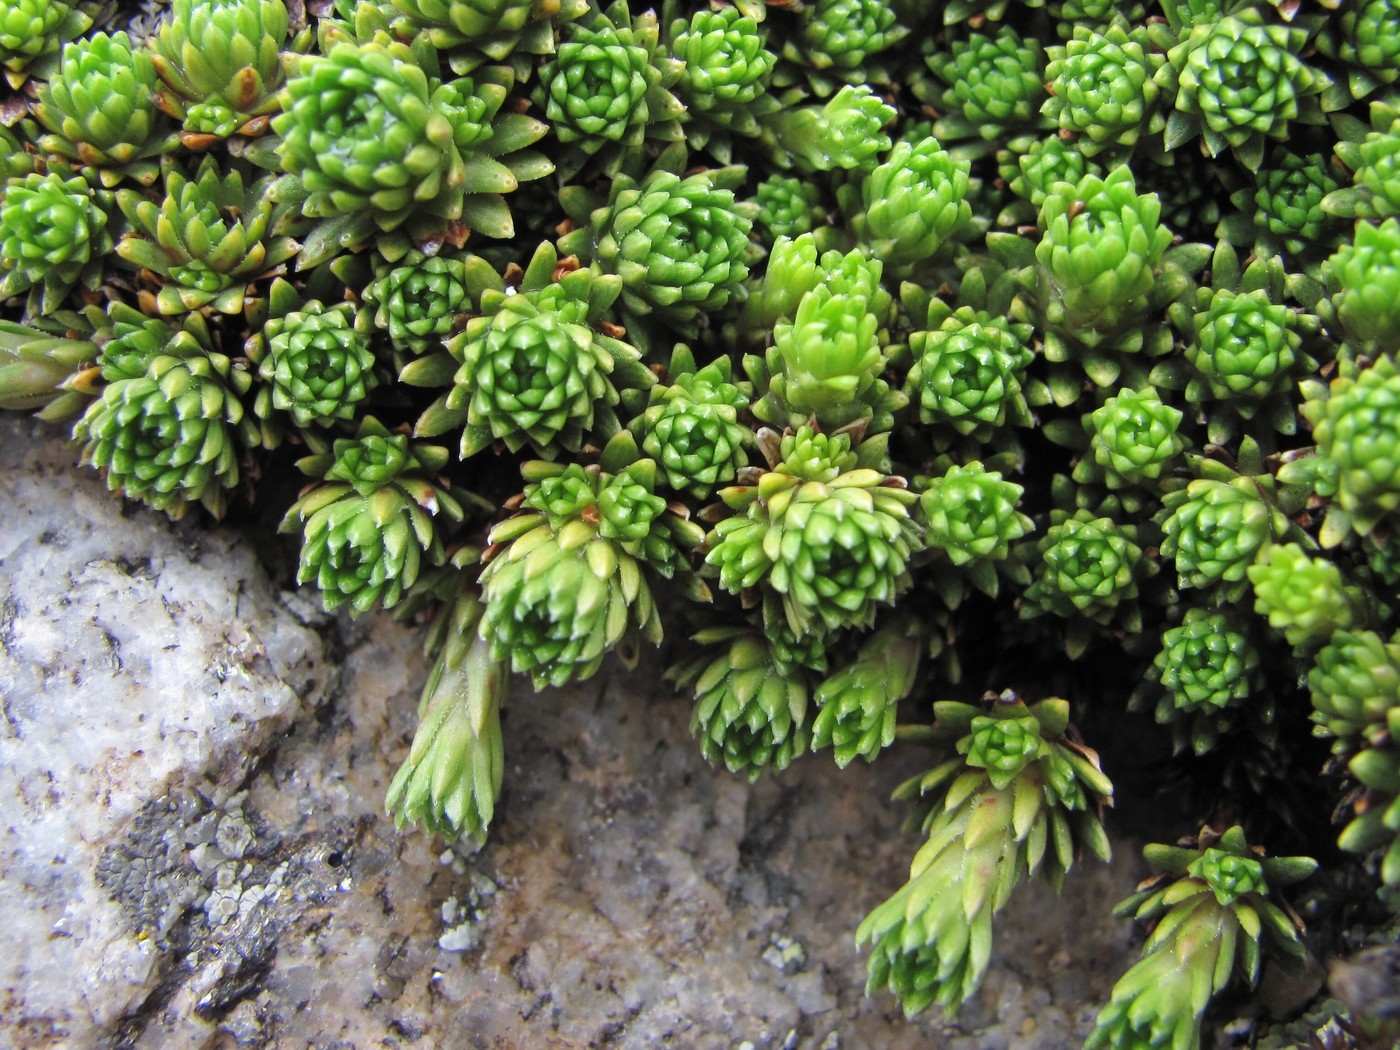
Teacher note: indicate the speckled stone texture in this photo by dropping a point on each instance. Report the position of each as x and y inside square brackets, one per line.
[214, 823]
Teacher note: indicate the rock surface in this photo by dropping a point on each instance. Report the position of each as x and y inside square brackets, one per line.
[198, 857]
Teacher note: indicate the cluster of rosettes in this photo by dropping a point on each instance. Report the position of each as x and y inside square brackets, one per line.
[1009, 343]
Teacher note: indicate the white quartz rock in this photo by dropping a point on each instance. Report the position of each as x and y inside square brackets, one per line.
[136, 657]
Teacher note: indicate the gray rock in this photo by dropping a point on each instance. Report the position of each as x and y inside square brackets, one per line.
[216, 882]
[143, 668]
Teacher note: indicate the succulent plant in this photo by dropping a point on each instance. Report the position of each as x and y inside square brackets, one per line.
[846, 132]
[680, 245]
[221, 61]
[421, 302]
[477, 32]
[724, 77]
[451, 779]
[53, 374]
[207, 241]
[1213, 920]
[31, 32]
[99, 111]
[787, 207]
[1247, 348]
[1366, 41]
[972, 520]
[750, 711]
[1133, 437]
[1355, 685]
[968, 370]
[370, 526]
[1088, 567]
[912, 205]
[316, 360]
[168, 427]
[993, 86]
[1207, 667]
[879, 329]
[1101, 247]
[1368, 271]
[565, 582]
[1215, 531]
[1238, 81]
[1304, 597]
[607, 90]
[1287, 201]
[833, 539]
[836, 37]
[532, 368]
[931, 941]
[375, 144]
[1102, 90]
[691, 426]
[856, 705]
[53, 236]
[1358, 444]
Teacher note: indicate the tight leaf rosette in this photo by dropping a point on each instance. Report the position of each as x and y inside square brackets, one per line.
[315, 360]
[1247, 352]
[1133, 438]
[846, 133]
[375, 144]
[787, 207]
[828, 317]
[31, 32]
[912, 206]
[1355, 686]
[421, 302]
[724, 80]
[1020, 799]
[750, 706]
[1207, 668]
[972, 517]
[832, 538]
[472, 33]
[567, 579]
[208, 240]
[836, 37]
[1100, 248]
[1368, 271]
[1213, 921]
[53, 237]
[99, 112]
[1238, 81]
[221, 61]
[1287, 202]
[691, 426]
[1102, 90]
[1214, 531]
[1305, 598]
[1356, 425]
[606, 91]
[856, 705]
[968, 370]
[170, 427]
[993, 87]
[1366, 41]
[535, 366]
[680, 245]
[372, 523]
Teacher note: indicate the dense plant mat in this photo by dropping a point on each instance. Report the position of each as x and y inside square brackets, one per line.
[1013, 379]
